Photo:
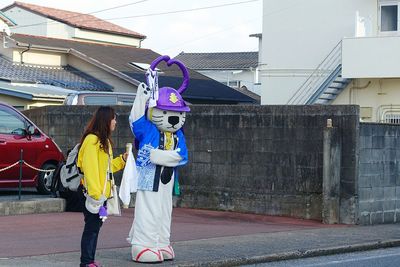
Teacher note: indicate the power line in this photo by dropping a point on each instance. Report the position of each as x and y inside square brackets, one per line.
[183, 10]
[231, 27]
[154, 14]
[145, 15]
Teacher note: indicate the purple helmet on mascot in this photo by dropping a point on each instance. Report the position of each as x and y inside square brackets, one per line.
[169, 98]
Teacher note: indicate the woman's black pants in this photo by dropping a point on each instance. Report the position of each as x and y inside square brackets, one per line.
[89, 237]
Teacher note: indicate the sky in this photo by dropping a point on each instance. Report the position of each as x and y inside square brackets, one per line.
[218, 29]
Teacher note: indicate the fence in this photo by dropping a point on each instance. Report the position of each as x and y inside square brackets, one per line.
[21, 162]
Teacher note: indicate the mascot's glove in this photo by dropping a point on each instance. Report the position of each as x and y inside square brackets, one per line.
[143, 91]
[103, 213]
[139, 105]
[168, 158]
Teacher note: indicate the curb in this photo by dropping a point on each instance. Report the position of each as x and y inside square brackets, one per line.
[298, 254]
[31, 206]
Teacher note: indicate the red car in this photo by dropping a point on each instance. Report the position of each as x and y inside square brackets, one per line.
[18, 132]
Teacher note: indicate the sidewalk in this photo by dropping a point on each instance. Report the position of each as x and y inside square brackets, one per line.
[28, 202]
[200, 238]
[239, 250]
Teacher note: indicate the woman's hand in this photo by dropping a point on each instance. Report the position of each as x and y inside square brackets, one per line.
[125, 156]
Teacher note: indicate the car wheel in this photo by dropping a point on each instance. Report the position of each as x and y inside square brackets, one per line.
[45, 178]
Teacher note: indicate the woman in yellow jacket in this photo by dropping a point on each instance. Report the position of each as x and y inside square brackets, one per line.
[94, 156]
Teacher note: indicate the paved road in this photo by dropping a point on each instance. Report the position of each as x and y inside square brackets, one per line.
[39, 234]
[233, 250]
[200, 238]
[389, 257]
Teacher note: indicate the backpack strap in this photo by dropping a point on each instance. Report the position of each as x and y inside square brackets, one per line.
[111, 175]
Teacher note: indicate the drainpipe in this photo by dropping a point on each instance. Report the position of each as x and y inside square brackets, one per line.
[140, 43]
[22, 52]
[357, 88]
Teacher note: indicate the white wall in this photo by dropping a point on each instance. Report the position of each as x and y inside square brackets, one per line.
[246, 77]
[59, 30]
[118, 84]
[105, 37]
[23, 17]
[37, 57]
[381, 95]
[374, 57]
[298, 35]
[5, 51]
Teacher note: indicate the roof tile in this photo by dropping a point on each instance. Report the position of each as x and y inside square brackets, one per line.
[222, 61]
[66, 77]
[118, 58]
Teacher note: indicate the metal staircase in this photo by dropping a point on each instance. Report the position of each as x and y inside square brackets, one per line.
[325, 83]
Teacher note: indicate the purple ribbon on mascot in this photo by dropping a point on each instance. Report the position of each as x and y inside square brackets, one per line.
[160, 97]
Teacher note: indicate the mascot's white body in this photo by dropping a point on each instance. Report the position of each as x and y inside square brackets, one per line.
[161, 149]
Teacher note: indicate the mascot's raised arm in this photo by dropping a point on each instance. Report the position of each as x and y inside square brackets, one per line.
[156, 119]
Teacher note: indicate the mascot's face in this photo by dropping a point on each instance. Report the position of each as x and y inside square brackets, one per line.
[167, 120]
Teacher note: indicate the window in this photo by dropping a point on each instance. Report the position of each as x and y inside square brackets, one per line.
[233, 83]
[392, 118]
[10, 123]
[389, 16]
[100, 100]
[126, 100]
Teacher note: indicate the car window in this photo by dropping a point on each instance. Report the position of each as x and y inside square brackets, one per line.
[10, 122]
[125, 100]
[100, 100]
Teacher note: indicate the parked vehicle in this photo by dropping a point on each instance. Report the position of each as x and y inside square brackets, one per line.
[18, 133]
[99, 98]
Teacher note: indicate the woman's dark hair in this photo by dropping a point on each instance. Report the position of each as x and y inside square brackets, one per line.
[100, 126]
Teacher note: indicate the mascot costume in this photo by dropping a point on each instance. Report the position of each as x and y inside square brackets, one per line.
[156, 119]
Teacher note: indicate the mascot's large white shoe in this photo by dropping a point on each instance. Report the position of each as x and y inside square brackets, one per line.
[167, 253]
[146, 255]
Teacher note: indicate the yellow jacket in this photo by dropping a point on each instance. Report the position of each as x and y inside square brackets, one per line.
[93, 162]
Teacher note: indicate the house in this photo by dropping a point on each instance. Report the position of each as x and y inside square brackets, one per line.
[333, 52]
[238, 70]
[62, 24]
[78, 59]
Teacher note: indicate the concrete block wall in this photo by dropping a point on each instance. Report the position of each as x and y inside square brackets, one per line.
[258, 159]
[379, 173]
[66, 124]
[266, 159]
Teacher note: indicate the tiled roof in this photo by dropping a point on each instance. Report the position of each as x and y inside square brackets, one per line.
[118, 58]
[76, 19]
[219, 61]
[67, 77]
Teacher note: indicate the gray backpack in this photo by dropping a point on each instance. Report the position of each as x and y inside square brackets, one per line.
[70, 174]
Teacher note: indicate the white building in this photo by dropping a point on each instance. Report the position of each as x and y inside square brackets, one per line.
[333, 52]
